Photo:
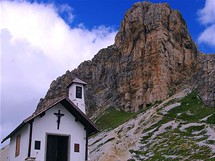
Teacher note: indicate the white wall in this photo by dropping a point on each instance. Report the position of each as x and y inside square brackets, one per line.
[68, 127]
[77, 101]
[24, 132]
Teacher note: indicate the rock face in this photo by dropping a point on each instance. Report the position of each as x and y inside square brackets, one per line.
[204, 80]
[162, 53]
[153, 57]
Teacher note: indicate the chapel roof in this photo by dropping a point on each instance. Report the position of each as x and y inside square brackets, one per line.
[71, 107]
[76, 80]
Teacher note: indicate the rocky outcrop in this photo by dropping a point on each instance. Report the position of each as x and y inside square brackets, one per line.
[204, 80]
[153, 57]
[162, 53]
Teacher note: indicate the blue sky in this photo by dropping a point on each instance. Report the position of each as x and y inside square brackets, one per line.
[40, 40]
[111, 12]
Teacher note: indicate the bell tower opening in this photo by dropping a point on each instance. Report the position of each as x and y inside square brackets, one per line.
[79, 92]
[76, 93]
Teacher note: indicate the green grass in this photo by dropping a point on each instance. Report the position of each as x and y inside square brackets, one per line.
[177, 143]
[211, 119]
[192, 129]
[195, 106]
[112, 118]
[172, 142]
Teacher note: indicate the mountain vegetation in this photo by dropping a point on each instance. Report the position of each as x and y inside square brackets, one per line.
[179, 128]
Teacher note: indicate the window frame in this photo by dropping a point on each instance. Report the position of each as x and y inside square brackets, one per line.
[18, 142]
[76, 147]
[78, 92]
[37, 145]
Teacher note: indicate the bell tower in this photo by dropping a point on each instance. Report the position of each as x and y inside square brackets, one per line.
[76, 93]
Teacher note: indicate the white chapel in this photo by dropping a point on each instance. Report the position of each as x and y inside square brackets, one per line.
[58, 132]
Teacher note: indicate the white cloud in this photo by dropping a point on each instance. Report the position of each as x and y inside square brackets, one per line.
[207, 18]
[66, 9]
[207, 14]
[37, 46]
[208, 35]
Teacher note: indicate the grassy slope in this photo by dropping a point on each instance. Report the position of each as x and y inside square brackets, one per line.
[182, 133]
[180, 140]
[111, 118]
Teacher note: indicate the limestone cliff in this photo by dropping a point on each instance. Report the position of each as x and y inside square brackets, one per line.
[153, 57]
[204, 80]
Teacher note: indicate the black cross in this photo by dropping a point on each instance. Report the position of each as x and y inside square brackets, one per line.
[59, 115]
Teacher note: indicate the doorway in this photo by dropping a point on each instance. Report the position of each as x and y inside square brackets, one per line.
[57, 148]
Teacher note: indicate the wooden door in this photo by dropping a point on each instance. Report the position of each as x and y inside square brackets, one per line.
[57, 148]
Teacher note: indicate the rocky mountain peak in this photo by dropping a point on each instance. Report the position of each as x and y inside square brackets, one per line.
[156, 40]
[145, 17]
[153, 57]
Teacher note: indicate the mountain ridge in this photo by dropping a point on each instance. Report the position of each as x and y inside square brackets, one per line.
[152, 58]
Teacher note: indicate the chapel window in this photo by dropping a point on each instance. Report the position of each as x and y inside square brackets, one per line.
[76, 147]
[37, 145]
[78, 92]
[18, 139]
